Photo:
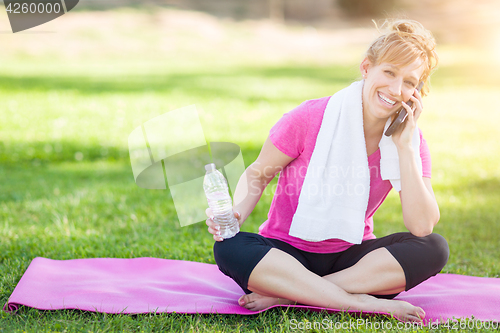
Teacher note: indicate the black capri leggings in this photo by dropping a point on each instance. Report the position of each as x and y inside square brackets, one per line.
[420, 257]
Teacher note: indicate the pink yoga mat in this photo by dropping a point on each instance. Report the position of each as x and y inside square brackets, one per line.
[145, 285]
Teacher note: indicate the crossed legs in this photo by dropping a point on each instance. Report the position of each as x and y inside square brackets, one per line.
[377, 273]
[273, 272]
[279, 278]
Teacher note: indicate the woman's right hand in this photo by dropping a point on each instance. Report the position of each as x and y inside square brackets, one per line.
[252, 184]
[214, 228]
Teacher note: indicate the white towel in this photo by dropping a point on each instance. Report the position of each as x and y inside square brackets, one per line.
[336, 188]
[334, 195]
[389, 158]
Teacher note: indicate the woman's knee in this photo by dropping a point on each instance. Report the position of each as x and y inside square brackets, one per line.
[236, 257]
[438, 248]
[224, 251]
[240, 252]
[423, 257]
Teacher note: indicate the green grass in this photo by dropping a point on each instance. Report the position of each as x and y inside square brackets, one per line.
[67, 189]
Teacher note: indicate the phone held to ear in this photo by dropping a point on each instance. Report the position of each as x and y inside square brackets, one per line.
[401, 115]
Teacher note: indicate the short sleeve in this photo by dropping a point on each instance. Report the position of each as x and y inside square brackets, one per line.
[289, 133]
[425, 155]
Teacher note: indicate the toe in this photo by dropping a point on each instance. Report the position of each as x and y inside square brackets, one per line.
[414, 319]
[251, 307]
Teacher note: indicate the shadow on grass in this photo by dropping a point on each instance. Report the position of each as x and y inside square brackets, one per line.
[46, 171]
[480, 75]
[199, 83]
[204, 83]
[488, 186]
[41, 153]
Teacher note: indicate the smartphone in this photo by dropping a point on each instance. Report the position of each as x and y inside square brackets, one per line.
[400, 115]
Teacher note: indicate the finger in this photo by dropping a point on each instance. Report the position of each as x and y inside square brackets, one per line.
[419, 96]
[210, 221]
[215, 231]
[417, 107]
[212, 224]
[208, 211]
[212, 231]
[416, 102]
[237, 215]
[214, 228]
[407, 108]
[410, 117]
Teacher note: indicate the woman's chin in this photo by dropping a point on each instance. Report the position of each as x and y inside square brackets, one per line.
[385, 115]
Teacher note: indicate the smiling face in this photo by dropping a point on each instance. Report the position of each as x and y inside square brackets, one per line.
[386, 85]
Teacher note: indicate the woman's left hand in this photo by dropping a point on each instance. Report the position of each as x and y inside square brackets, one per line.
[403, 135]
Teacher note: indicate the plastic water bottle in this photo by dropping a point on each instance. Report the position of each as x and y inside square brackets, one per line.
[219, 201]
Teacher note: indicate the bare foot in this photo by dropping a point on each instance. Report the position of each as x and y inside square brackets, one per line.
[399, 309]
[256, 302]
[407, 312]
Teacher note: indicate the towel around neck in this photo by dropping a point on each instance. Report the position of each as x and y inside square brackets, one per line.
[334, 196]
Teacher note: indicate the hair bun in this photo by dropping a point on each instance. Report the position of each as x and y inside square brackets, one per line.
[404, 26]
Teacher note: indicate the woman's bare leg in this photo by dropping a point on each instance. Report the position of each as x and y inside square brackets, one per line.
[377, 273]
[279, 278]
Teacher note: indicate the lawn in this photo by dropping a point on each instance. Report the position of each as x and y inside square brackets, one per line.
[70, 98]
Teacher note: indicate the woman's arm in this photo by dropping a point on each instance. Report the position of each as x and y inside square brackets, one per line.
[252, 183]
[420, 208]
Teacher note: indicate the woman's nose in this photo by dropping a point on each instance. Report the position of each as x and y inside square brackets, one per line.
[395, 87]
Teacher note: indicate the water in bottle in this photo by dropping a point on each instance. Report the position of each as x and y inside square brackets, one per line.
[219, 201]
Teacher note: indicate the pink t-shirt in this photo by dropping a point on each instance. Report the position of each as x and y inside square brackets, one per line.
[295, 135]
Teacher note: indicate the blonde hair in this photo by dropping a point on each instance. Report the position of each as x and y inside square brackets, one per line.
[404, 42]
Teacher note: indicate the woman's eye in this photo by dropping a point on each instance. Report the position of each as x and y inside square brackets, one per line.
[390, 73]
[411, 84]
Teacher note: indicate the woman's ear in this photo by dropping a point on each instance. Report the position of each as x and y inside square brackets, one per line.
[364, 66]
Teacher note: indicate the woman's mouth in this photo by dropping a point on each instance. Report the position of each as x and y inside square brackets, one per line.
[386, 100]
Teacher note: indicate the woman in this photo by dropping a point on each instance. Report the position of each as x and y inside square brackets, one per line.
[274, 267]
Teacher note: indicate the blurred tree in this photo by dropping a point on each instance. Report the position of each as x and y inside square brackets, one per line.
[277, 10]
[360, 8]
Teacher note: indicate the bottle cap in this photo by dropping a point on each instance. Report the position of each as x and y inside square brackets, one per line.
[210, 167]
